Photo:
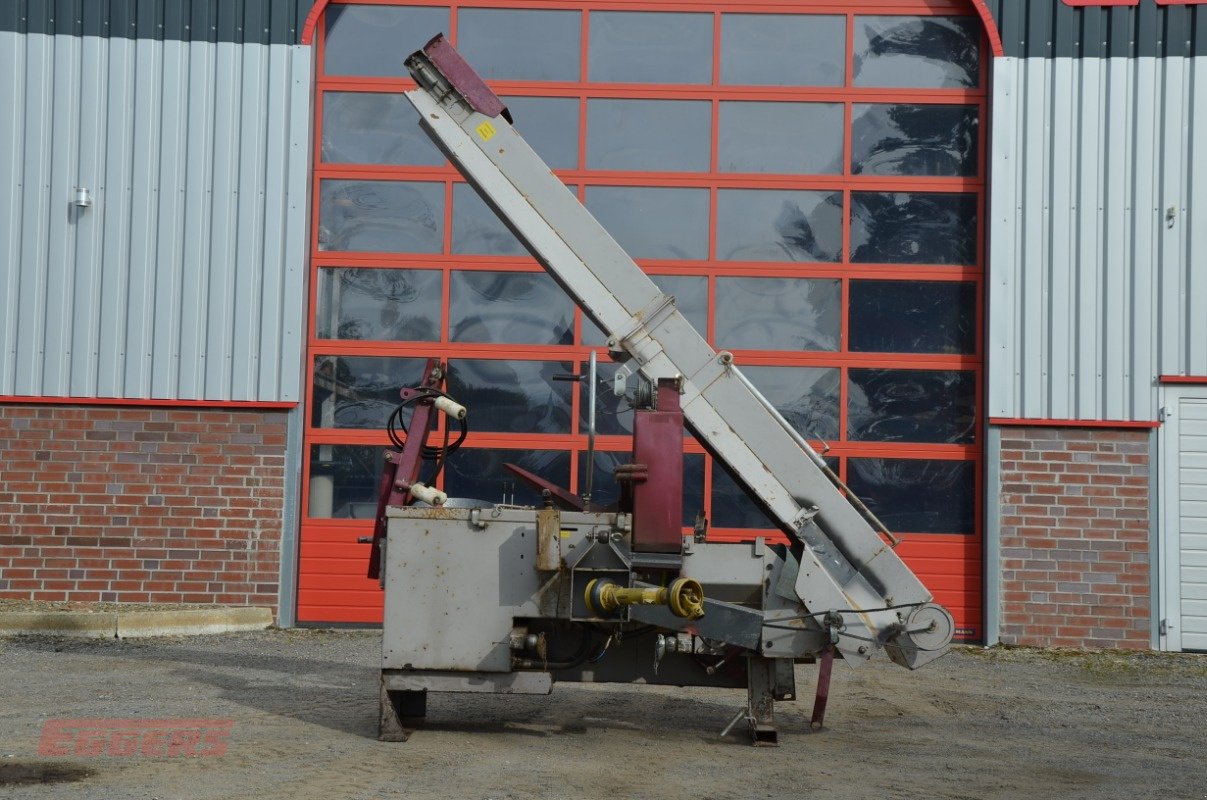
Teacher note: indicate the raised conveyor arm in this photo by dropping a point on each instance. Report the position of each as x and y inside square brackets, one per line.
[845, 565]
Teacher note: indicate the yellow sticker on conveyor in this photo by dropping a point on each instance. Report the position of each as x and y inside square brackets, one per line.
[566, 532]
[486, 131]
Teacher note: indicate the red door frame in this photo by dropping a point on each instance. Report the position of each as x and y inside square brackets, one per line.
[331, 588]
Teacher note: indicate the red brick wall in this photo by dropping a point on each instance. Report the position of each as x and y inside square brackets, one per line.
[143, 505]
[1075, 537]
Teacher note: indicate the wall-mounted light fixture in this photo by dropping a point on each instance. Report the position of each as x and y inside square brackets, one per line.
[82, 197]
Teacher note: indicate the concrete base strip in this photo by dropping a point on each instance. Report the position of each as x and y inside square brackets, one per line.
[132, 624]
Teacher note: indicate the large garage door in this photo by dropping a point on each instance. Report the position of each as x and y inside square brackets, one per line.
[1184, 519]
[806, 178]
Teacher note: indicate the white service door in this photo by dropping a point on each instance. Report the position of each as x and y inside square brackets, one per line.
[1184, 518]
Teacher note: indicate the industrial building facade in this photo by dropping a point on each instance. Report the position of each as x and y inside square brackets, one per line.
[952, 241]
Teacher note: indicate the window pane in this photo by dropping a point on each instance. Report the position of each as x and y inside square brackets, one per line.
[374, 128]
[512, 396]
[913, 228]
[732, 507]
[644, 47]
[911, 405]
[778, 314]
[375, 40]
[399, 305]
[520, 45]
[691, 298]
[381, 216]
[913, 317]
[916, 496]
[361, 391]
[550, 126]
[509, 308]
[649, 135]
[605, 491]
[921, 52]
[783, 49]
[480, 474]
[914, 140]
[783, 138]
[344, 481]
[775, 225]
[653, 223]
[806, 396]
[613, 416]
[477, 229]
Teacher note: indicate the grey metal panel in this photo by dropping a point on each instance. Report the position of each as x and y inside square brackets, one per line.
[1052, 29]
[239, 21]
[1093, 292]
[185, 279]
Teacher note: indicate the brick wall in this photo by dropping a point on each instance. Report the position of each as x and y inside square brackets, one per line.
[1075, 537]
[130, 504]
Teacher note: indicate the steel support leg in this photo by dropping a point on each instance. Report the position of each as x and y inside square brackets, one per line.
[761, 694]
[401, 713]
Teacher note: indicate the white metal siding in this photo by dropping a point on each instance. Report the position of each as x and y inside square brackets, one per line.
[1092, 293]
[1191, 540]
[185, 279]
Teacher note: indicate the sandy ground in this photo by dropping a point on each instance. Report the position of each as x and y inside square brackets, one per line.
[977, 724]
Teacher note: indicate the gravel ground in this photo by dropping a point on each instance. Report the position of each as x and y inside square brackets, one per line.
[976, 724]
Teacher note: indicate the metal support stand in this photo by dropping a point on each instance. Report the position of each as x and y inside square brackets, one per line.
[824, 668]
[401, 713]
[761, 694]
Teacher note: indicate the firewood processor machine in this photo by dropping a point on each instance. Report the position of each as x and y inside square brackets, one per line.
[509, 599]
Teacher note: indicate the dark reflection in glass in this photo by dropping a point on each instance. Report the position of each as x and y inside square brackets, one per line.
[783, 49]
[911, 405]
[778, 225]
[691, 298]
[806, 396]
[913, 317]
[480, 474]
[512, 396]
[520, 44]
[344, 480]
[778, 313]
[645, 47]
[914, 140]
[732, 507]
[921, 52]
[613, 415]
[374, 128]
[653, 223]
[477, 229]
[374, 40]
[606, 491]
[398, 305]
[550, 126]
[360, 391]
[783, 138]
[913, 228]
[916, 496]
[509, 308]
[649, 135]
[381, 216]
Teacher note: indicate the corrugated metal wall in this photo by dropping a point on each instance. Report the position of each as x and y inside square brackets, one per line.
[185, 279]
[1053, 28]
[1094, 289]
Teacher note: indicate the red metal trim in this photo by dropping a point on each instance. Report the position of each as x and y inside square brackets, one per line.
[9, 399]
[991, 29]
[312, 20]
[1194, 380]
[1072, 423]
